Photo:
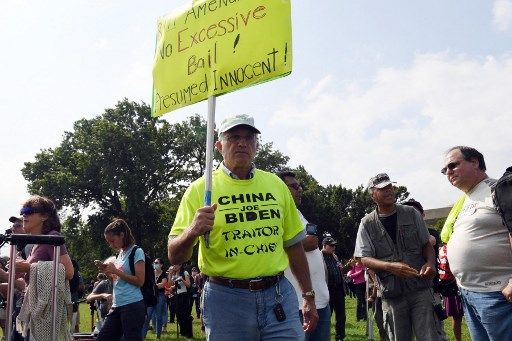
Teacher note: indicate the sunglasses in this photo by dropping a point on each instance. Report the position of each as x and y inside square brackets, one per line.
[295, 186]
[31, 210]
[450, 166]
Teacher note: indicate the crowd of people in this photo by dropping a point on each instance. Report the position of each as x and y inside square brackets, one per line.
[393, 244]
[262, 275]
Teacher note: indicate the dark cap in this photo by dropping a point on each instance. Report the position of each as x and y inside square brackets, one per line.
[380, 180]
[328, 241]
[14, 219]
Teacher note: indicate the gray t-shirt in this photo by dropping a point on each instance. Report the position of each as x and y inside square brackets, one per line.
[479, 250]
[103, 287]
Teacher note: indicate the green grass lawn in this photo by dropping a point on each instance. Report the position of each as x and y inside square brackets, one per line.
[354, 330]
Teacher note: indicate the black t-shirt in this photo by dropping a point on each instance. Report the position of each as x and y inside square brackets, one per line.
[390, 223]
[160, 278]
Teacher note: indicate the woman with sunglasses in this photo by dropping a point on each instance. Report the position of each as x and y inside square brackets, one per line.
[40, 218]
[127, 315]
[158, 313]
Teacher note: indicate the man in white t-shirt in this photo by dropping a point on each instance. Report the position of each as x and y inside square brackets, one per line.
[316, 267]
[479, 250]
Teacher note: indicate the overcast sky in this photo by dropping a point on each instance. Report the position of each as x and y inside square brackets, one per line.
[377, 86]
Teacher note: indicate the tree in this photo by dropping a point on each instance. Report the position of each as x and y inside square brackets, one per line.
[269, 159]
[118, 164]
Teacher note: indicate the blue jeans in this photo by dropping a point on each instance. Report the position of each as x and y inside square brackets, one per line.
[239, 314]
[163, 315]
[158, 314]
[488, 315]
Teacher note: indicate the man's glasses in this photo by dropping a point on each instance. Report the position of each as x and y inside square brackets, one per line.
[30, 210]
[237, 138]
[295, 186]
[450, 166]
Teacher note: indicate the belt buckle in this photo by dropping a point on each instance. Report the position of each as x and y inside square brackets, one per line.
[253, 284]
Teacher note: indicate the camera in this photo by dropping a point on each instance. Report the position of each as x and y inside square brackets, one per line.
[311, 229]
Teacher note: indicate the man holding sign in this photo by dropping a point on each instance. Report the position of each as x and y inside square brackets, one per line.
[255, 231]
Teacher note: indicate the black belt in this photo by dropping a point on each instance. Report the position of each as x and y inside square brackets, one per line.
[253, 284]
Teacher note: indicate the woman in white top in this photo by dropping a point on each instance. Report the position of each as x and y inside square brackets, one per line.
[180, 282]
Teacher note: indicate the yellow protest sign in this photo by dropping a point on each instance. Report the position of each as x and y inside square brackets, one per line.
[212, 47]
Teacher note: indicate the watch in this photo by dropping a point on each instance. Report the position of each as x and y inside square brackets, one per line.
[309, 294]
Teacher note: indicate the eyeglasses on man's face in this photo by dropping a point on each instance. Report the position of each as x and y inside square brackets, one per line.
[250, 138]
[451, 166]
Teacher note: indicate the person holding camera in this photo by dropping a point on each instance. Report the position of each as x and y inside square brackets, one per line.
[393, 240]
[316, 266]
[19, 285]
[101, 298]
[180, 282]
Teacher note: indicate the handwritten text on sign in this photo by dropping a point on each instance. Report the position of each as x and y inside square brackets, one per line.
[216, 46]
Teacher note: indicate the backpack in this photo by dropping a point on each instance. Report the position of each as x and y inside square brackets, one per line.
[149, 289]
[502, 198]
[446, 286]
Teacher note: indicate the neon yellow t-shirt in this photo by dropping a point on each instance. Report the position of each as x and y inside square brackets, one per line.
[254, 219]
